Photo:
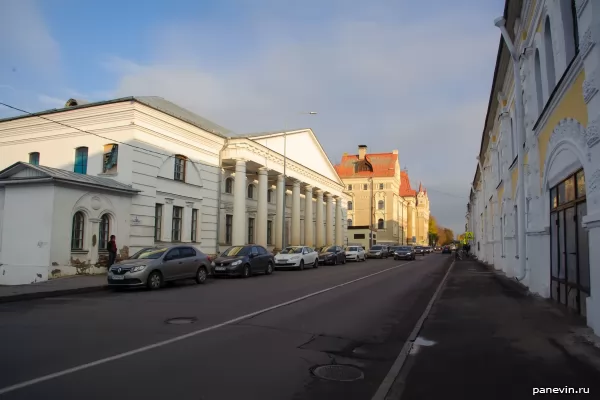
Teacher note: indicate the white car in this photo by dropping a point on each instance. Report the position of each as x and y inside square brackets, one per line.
[355, 253]
[297, 257]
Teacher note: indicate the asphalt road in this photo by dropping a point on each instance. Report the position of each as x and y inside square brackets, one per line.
[363, 323]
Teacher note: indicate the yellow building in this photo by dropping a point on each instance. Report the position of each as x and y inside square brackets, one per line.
[534, 204]
[381, 197]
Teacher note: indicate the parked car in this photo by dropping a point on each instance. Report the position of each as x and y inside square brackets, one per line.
[378, 251]
[297, 257]
[153, 266]
[446, 250]
[244, 261]
[355, 253]
[419, 250]
[404, 253]
[332, 255]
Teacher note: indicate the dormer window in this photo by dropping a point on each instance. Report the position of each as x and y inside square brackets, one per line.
[179, 171]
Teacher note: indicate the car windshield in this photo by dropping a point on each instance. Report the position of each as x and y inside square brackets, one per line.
[376, 248]
[151, 254]
[403, 249]
[418, 247]
[351, 248]
[142, 251]
[292, 250]
[236, 251]
[327, 249]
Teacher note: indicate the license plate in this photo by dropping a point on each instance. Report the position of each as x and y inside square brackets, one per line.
[118, 277]
[220, 269]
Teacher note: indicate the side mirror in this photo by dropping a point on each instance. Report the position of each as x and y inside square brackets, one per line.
[168, 257]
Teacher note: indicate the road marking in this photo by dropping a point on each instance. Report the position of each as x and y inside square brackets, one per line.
[182, 337]
[394, 372]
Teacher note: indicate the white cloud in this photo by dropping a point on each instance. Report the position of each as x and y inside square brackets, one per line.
[419, 86]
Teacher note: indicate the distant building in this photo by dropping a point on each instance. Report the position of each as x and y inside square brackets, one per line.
[535, 201]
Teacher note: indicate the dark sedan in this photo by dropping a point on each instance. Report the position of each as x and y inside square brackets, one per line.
[419, 250]
[446, 250]
[243, 261]
[404, 253]
[332, 255]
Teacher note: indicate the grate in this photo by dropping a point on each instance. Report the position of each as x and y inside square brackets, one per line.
[337, 372]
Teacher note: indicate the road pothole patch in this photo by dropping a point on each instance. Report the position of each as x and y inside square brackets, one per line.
[338, 372]
[181, 321]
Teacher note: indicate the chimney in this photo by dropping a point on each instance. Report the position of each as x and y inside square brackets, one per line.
[395, 152]
[362, 151]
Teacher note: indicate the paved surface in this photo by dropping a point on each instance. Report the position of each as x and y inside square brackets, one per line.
[484, 340]
[53, 287]
[268, 356]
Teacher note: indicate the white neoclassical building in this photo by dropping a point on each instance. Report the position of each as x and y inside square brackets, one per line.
[151, 172]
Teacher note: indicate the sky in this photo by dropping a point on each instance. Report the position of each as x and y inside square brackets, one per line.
[390, 74]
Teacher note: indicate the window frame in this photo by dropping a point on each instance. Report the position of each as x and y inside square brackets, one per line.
[228, 228]
[380, 223]
[229, 185]
[106, 155]
[251, 226]
[194, 228]
[381, 205]
[350, 205]
[104, 231]
[177, 224]
[180, 168]
[250, 191]
[158, 220]
[34, 158]
[81, 163]
[269, 232]
[77, 231]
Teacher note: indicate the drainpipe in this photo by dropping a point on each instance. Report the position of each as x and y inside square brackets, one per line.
[520, 111]
[217, 248]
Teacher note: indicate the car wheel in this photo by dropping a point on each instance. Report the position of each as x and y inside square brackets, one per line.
[201, 275]
[155, 281]
[335, 261]
[269, 268]
[247, 272]
[344, 260]
[316, 263]
[301, 267]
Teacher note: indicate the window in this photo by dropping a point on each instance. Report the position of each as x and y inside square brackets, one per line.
[110, 158]
[269, 194]
[158, 212]
[380, 205]
[179, 172]
[380, 224]
[269, 232]
[228, 228]
[34, 158]
[186, 252]
[349, 187]
[104, 232]
[359, 236]
[81, 159]
[365, 186]
[550, 72]
[502, 227]
[538, 82]
[250, 191]
[381, 186]
[350, 205]
[580, 178]
[77, 231]
[250, 230]
[349, 222]
[194, 229]
[176, 225]
[229, 185]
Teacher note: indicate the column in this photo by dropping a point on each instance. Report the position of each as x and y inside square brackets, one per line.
[279, 212]
[262, 211]
[329, 217]
[238, 236]
[295, 240]
[319, 223]
[339, 224]
[308, 217]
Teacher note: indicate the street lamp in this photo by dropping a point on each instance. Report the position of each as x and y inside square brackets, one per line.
[283, 244]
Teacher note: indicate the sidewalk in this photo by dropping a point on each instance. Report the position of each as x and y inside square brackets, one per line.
[53, 287]
[486, 340]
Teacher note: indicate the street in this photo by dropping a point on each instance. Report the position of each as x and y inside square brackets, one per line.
[269, 355]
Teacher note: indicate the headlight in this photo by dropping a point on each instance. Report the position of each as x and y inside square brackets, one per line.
[138, 268]
[238, 262]
[212, 264]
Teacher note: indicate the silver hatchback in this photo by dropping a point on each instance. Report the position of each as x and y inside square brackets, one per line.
[153, 266]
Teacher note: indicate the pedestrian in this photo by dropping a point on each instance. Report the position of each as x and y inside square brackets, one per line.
[112, 251]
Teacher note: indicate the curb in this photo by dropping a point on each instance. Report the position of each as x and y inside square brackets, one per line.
[53, 293]
[506, 282]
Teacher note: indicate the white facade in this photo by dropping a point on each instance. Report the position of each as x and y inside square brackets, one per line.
[172, 166]
[560, 134]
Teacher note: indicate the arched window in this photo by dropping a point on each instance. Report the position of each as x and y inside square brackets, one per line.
[110, 158]
[251, 191]
[229, 185]
[77, 231]
[380, 205]
[350, 205]
[34, 158]
[550, 73]
[81, 159]
[380, 224]
[104, 232]
[538, 82]
[349, 222]
[179, 171]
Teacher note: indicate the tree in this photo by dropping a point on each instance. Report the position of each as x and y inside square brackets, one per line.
[433, 231]
[448, 236]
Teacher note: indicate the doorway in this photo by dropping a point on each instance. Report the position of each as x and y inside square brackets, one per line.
[569, 251]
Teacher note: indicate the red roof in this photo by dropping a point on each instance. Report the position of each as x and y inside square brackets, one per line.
[382, 165]
[405, 189]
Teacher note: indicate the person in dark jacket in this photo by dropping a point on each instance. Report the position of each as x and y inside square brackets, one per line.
[112, 251]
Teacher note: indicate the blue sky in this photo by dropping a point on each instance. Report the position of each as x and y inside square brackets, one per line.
[408, 75]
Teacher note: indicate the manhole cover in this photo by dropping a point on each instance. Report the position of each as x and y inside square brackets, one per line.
[342, 373]
[181, 320]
